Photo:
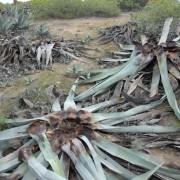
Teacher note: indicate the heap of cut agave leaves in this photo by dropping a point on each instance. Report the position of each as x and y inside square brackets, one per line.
[82, 143]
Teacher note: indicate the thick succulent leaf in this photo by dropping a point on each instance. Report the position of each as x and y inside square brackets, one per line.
[131, 68]
[127, 47]
[103, 75]
[155, 81]
[162, 62]
[118, 115]
[29, 174]
[65, 161]
[95, 158]
[165, 30]
[50, 156]
[82, 170]
[69, 102]
[10, 161]
[18, 122]
[40, 171]
[85, 159]
[113, 165]
[56, 106]
[13, 133]
[139, 159]
[148, 174]
[102, 105]
[138, 129]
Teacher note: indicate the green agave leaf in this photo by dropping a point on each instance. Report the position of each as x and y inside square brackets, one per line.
[165, 30]
[65, 161]
[102, 105]
[82, 170]
[99, 168]
[148, 174]
[11, 160]
[40, 171]
[113, 165]
[18, 122]
[131, 68]
[139, 159]
[118, 115]
[29, 174]
[103, 75]
[50, 156]
[56, 106]
[155, 81]
[85, 158]
[13, 133]
[138, 129]
[162, 62]
[69, 102]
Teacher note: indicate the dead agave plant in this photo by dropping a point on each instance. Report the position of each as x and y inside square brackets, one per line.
[164, 56]
[78, 143]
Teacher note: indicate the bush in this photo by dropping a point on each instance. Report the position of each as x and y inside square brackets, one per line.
[129, 5]
[152, 17]
[73, 8]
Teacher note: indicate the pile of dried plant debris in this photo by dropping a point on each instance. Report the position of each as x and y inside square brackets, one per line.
[98, 134]
[19, 56]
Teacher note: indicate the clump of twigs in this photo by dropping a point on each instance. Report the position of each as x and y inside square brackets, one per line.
[118, 34]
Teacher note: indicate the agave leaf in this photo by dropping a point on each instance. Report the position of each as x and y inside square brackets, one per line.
[11, 160]
[138, 129]
[85, 158]
[29, 174]
[162, 62]
[118, 115]
[40, 171]
[165, 30]
[65, 161]
[113, 165]
[82, 170]
[155, 81]
[13, 133]
[132, 67]
[95, 158]
[69, 102]
[139, 159]
[49, 155]
[103, 75]
[102, 105]
[148, 174]
[127, 47]
[56, 106]
[18, 122]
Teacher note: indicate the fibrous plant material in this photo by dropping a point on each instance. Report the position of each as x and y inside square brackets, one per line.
[147, 54]
[118, 34]
[75, 143]
[19, 55]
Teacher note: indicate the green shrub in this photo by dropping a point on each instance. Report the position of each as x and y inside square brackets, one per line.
[152, 17]
[128, 5]
[73, 8]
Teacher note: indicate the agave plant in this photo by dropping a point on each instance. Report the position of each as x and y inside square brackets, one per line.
[5, 24]
[42, 31]
[78, 143]
[141, 56]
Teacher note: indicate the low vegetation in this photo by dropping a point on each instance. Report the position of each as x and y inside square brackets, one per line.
[129, 5]
[72, 9]
[151, 18]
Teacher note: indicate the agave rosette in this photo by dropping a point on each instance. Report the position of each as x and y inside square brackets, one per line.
[78, 143]
[164, 56]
